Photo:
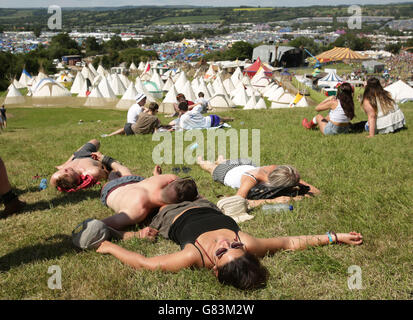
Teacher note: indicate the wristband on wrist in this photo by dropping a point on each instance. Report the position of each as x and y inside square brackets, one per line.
[330, 239]
[335, 234]
[107, 162]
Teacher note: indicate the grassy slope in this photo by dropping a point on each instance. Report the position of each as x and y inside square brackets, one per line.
[365, 184]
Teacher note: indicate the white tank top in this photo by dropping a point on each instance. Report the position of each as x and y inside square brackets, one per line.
[338, 115]
[391, 121]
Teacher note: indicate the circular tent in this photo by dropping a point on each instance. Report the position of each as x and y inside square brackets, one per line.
[340, 54]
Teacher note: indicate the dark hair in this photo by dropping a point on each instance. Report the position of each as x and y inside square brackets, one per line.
[180, 96]
[180, 190]
[345, 95]
[153, 106]
[183, 106]
[201, 94]
[245, 272]
[374, 91]
[64, 182]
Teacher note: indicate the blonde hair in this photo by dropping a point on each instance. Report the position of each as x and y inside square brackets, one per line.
[284, 176]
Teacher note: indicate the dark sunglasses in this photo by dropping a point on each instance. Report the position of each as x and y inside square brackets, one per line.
[184, 170]
[234, 245]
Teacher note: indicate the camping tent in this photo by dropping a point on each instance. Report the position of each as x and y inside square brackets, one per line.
[128, 98]
[49, 88]
[14, 96]
[25, 78]
[330, 80]
[252, 69]
[78, 83]
[400, 91]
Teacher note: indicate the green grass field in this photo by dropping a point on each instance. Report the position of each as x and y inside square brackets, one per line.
[366, 186]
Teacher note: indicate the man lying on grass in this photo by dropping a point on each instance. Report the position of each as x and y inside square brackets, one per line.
[210, 239]
[83, 169]
[273, 183]
[133, 197]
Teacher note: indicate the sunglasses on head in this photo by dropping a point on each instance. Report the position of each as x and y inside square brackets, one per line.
[234, 245]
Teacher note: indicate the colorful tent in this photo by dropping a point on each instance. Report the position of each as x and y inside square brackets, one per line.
[255, 67]
[340, 54]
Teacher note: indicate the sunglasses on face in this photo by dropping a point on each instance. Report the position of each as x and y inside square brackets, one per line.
[234, 245]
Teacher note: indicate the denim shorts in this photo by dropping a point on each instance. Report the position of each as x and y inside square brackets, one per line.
[332, 129]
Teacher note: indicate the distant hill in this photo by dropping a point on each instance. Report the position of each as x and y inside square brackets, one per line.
[139, 16]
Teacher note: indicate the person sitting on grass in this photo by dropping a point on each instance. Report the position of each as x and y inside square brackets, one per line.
[133, 115]
[12, 204]
[133, 197]
[340, 115]
[274, 181]
[148, 122]
[384, 115]
[180, 97]
[194, 120]
[201, 104]
[209, 239]
[82, 169]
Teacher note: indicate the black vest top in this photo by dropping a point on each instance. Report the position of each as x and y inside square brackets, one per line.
[196, 221]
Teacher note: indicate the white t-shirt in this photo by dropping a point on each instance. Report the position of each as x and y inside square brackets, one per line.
[133, 113]
[193, 120]
[233, 177]
[203, 105]
[391, 121]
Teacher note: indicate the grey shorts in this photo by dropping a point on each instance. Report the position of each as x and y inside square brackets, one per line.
[85, 151]
[164, 219]
[128, 129]
[222, 169]
[116, 183]
[332, 129]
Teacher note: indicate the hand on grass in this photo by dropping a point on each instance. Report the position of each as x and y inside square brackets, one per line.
[148, 233]
[352, 238]
[104, 247]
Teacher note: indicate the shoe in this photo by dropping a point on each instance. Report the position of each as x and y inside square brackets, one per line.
[306, 124]
[175, 114]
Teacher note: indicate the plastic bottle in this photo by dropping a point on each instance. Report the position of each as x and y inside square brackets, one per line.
[276, 207]
[43, 184]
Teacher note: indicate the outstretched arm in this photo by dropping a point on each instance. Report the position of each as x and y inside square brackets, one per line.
[261, 247]
[170, 262]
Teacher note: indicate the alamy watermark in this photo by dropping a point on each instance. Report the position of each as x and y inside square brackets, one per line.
[55, 281]
[354, 21]
[238, 145]
[354, 281]
[55, 20]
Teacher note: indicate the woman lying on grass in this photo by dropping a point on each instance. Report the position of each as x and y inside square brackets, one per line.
[210, 239]
[277, 183]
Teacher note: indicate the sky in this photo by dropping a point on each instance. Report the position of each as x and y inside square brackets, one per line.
[216, 3]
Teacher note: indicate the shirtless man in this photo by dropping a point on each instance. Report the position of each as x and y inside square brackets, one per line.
[134, 197]
[81, 170]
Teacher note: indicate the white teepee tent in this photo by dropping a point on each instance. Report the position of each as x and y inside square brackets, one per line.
[95, 99]
[14, 96]
[25, 79]
[128, 98]
[188, 92]
[78, 83]
[105, 89]
[117, 85]
[169, 100]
